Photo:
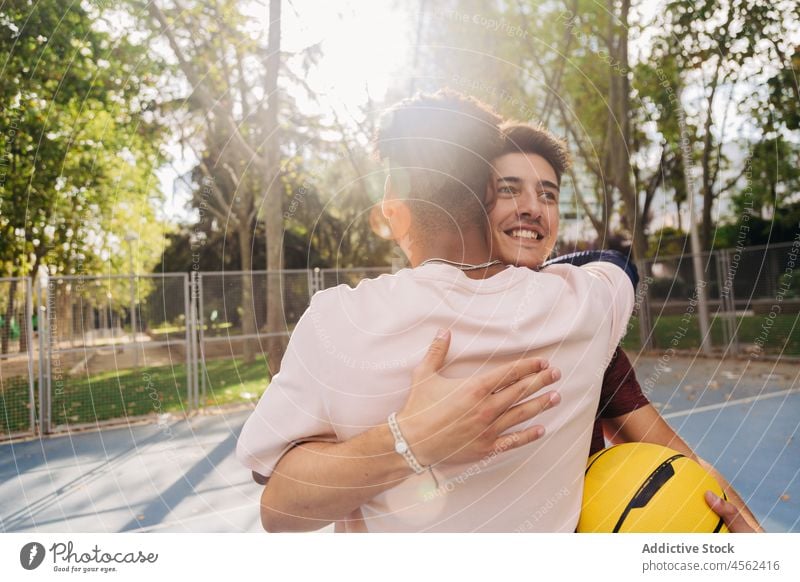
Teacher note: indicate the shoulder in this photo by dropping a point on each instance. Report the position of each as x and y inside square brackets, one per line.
[609, 274]
[343, 309]
[365, 288]
[586, 273]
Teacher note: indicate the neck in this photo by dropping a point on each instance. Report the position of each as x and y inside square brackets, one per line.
[467, 247]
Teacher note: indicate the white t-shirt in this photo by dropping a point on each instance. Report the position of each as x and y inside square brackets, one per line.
[348, 366]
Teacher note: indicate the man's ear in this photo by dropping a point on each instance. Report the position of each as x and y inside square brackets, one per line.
[395, 211]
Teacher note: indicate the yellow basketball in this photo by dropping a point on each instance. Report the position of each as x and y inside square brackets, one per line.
[646, 488]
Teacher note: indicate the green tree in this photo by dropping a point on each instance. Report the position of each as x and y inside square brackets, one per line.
[80, 142]
[232, 110]
[263, 164]
[566, 64]
[718, 49]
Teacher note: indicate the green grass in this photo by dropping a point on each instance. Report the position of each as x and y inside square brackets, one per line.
[230, 381]
[128, 393]
[674, 331]
[14, 407]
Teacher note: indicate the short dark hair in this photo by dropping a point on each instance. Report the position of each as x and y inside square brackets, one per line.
[526, 138]
[440, 148]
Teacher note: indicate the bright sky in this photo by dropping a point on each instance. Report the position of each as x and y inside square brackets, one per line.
[365, 44]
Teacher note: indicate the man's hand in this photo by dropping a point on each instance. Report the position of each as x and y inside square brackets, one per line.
[732, 517]
[463, 420]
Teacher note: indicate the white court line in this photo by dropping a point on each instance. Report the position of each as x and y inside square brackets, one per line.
[731, 403]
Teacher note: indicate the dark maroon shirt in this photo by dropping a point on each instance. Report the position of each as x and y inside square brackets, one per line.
[619, 395]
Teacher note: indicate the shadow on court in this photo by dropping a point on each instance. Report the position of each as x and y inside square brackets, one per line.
[743, 417]
[178, 477]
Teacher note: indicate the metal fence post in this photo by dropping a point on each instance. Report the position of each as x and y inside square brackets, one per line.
[314, 281]
[46, 387]
[193, 285]
[200, 356]
[40, 317]
[320, 281]
[28, 311]
[193, 336]
[189, 357]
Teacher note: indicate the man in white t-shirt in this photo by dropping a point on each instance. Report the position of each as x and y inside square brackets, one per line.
[340, 436]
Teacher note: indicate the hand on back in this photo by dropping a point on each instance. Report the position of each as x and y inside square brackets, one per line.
[458, 420]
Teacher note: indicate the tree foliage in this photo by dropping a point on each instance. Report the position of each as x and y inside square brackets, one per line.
[79, 144]
[653, 105]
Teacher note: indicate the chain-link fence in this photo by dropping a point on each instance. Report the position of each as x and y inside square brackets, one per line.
[333, 277]
[91, 350]
[17, 339]
[237, 315]
[117, 347]
[235, 320]
[752, 296]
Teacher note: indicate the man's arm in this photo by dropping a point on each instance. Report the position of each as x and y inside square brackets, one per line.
[645, 424]
[581, 258]
[315, 484]
[444, 421]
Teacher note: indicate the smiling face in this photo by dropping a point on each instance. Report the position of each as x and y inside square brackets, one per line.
[524, 218]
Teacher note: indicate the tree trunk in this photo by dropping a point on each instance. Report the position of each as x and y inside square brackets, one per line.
[621, 141]
[707, 226]
[634, 218]
[23, 328]
[606, 202]
[8, 316]
[276, 323]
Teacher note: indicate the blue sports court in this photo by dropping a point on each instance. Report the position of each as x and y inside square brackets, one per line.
[742, 416]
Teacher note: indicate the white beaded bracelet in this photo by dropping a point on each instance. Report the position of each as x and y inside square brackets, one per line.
[401, 446]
